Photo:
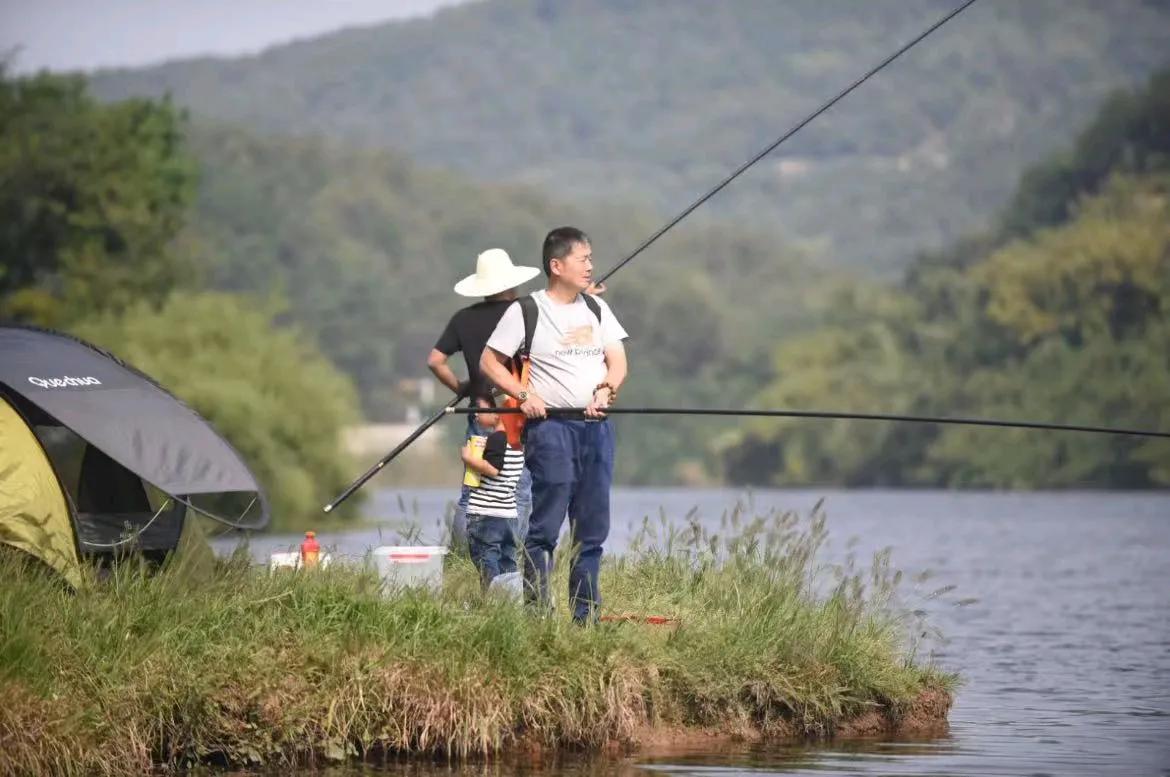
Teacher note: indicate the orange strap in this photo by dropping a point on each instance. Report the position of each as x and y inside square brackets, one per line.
[514, 422]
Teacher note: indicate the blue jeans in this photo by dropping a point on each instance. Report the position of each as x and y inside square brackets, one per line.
[492, 545]
[523, 499]
[572, 470]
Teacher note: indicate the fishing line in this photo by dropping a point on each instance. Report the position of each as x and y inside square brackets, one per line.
[776, 143]
[830, 414]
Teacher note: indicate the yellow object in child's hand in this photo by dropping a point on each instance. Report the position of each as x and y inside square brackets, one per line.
[475, 444]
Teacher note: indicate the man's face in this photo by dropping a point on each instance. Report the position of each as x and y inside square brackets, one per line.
[576, 269]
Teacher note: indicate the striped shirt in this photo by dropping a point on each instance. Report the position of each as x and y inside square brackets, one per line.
[496, 496]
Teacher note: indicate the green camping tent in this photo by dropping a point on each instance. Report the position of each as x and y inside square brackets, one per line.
[97, 460]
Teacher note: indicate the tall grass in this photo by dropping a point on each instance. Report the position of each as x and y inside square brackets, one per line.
[141, 670]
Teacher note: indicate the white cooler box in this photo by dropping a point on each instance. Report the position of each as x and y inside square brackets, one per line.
[405, 566]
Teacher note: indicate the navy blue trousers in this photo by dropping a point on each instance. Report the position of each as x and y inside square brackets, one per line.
[493, 549]
[572, 470]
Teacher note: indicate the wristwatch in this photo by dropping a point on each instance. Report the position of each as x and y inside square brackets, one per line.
[522, 397]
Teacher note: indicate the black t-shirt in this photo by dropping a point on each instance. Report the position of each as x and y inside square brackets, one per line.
[468, 331]
[495, 448]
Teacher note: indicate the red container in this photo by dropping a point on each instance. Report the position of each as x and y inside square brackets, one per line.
[310, 550]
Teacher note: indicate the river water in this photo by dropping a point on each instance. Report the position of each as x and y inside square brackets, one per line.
[1065, 652]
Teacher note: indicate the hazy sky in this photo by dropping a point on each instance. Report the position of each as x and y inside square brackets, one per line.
[85, 34]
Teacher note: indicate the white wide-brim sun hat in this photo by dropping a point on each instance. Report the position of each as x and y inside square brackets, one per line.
[494, 272]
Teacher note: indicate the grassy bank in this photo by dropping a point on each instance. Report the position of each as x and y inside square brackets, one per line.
[250, 668]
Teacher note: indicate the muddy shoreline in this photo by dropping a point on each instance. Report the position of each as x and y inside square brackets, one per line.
[923, 718]
[926, 716]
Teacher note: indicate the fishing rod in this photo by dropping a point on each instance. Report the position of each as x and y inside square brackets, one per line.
[399, 448]
[830, 414]
[432, 420]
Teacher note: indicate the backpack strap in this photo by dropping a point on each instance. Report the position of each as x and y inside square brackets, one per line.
[593, 305]
[530, 313]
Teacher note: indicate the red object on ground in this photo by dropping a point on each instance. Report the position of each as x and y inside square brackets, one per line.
[653, 620]
[310, 550]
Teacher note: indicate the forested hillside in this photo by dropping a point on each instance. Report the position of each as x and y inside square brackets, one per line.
[1061, 313]
[126, 223]
[124, 219]
[651, 102]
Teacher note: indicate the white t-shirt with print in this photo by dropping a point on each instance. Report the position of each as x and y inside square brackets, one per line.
[568, 347]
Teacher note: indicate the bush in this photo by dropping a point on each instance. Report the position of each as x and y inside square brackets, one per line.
[268, 391]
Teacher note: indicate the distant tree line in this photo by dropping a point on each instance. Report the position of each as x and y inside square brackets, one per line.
[215, 259]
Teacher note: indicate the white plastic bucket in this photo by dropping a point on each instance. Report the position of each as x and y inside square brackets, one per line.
[406, 566]
[292, 560]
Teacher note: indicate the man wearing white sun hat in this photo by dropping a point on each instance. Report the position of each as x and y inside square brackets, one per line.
[496, 280]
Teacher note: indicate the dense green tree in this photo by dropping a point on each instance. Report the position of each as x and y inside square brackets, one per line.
[1084, 308]
[1057, 312]
[1107, 383]
[1131, 134]
[91, 198]
[862, 360]
[1067, 326]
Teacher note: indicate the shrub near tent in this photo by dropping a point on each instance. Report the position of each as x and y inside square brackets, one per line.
[267, 389]
[82, 437]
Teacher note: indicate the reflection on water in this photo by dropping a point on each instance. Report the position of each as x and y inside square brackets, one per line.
[1065, 653]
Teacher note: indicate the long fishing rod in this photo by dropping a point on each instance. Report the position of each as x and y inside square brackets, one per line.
[399, 448]
[831, 414]
[431, 421]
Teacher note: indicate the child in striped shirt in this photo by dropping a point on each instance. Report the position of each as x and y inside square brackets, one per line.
[491, 506]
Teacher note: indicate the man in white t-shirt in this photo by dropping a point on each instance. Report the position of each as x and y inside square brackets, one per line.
[577, 360]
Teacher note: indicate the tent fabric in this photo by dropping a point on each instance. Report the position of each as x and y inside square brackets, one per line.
[105, 487]
[82, 438]
[112, 505]
[122, 413]
[33, 514]
[193, 560]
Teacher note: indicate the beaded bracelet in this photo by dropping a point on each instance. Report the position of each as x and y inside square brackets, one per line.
[612, 391]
